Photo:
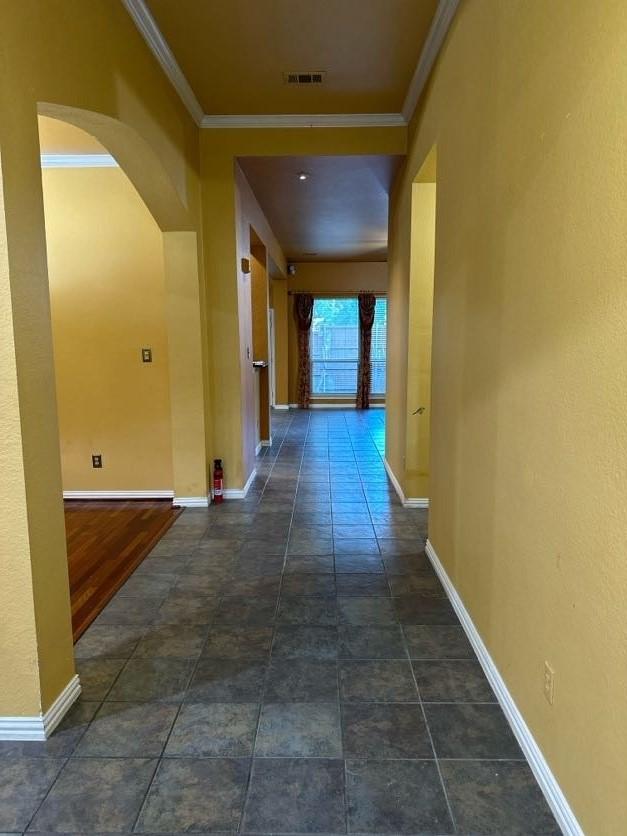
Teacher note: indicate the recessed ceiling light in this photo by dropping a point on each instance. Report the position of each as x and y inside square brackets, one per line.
[303, 175]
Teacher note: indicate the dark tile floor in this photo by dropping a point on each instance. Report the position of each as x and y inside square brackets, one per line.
[287, 663]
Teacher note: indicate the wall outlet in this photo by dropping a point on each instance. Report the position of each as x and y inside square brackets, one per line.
[549, 683]
[146, 355]
[96, 460]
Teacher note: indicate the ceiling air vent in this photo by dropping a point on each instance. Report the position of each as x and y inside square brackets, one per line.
[309, 77]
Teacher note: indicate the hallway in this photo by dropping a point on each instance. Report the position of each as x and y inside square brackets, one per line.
[302, 627]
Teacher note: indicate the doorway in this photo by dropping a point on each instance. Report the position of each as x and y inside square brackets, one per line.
[271, 356]
[107, 290]
[421, 284]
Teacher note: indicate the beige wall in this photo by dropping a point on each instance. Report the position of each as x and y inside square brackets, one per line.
[529, 441]
[328, 277]
[106, 275]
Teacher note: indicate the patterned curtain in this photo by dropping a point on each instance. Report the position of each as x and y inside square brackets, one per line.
[367, 302]
[303, 312]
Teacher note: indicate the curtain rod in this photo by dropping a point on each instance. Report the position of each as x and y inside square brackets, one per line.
[334, 293]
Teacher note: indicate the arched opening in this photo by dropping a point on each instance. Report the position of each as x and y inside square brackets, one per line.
[106, 278]
[125, 314]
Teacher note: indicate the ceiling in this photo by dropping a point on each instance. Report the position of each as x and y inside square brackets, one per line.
[340, 213]
[234, 54]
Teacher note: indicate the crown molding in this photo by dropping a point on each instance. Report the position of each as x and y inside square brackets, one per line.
[306, 120]
[442, 20]
[159, 47]
[78, 161]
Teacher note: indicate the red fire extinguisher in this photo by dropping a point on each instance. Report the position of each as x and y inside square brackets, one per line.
[218, 477]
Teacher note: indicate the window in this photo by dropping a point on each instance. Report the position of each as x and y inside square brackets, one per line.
[335, 346]
[378, 347]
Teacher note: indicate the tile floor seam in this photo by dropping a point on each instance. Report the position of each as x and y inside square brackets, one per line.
[247, 789]
[435, 753]
[321, 479]
[49, 790]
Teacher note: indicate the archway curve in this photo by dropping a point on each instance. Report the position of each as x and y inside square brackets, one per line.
[137, 159]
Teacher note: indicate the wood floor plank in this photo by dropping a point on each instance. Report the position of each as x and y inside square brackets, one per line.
[106, 542]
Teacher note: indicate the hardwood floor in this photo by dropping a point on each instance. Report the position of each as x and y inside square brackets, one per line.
[106, 542]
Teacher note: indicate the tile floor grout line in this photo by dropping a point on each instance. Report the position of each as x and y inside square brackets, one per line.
[69, 757]
[303, 452]
[435, 754]
[145, 794]
[246, 793]
[160, 757]
[48, 791]
[183, 702]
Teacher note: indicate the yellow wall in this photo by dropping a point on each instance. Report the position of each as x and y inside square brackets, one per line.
[252, 227]
[414, 475]
[106, 275]
[279, 302]
[185, 318]
[20, 691]
[260, 301]
[106, 69]
[328, 277]
[529, 440]
[109, 83]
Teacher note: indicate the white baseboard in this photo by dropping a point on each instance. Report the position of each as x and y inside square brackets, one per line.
[41, 727]
[347, 405]
[240, 493]
[281, 406]
[191, 501]
[407, 502]
[118, 494]
[416, 502]
[266, 442]
[322, 405]
[258, 449]
[548, 783]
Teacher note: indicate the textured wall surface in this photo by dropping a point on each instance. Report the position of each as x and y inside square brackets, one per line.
[108, 73]
[528, 108]
[106, 275]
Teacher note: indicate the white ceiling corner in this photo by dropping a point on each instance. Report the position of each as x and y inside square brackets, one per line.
[159, 47]
[442, 19]
[305, 120]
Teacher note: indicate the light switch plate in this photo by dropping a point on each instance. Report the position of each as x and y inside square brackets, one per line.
[146, 355]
